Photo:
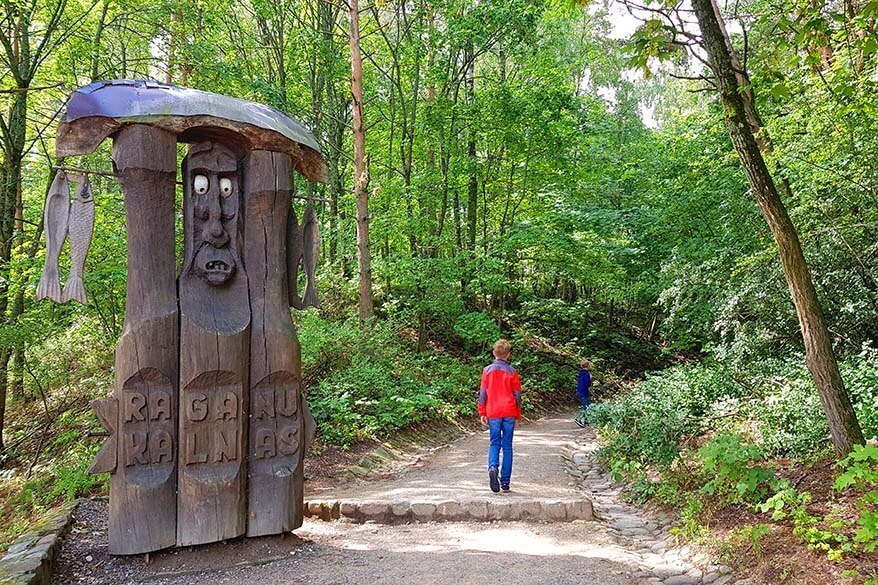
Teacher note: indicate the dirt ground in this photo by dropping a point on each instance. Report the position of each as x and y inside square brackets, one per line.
[342, 553]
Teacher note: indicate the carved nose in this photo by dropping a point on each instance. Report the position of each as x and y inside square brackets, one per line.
[215, 234]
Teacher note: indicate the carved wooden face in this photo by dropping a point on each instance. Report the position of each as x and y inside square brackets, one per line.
[212, 204]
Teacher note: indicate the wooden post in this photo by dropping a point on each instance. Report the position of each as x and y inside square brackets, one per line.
[143, 487]
[277, 442]
[214, 341]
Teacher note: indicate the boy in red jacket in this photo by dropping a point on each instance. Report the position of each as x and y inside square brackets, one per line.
[499, 409]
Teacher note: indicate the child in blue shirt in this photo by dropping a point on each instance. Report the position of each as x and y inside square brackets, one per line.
[583, 385]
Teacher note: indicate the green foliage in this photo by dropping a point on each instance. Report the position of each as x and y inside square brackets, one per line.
[787, 411]
[751, 536]
[861, 474]
[370, 383]
[477, 328]
[786, 502]
[824, 534]
[689, 525]
[731, 465]
[833, 532]
[588, 231]
[860, 374]
[542, 374]
[773, 401]
[648, 422]
[62, 480]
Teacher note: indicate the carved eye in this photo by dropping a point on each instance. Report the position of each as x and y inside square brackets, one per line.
[200, 184]
[225, 187]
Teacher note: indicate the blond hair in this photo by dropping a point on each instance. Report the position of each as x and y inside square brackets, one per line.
[502, 348]
[585, 364]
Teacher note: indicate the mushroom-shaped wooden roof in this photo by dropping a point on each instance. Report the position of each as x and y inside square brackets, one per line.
[96, 111]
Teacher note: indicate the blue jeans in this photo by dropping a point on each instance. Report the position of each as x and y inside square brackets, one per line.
[501, 430]
[584, 399]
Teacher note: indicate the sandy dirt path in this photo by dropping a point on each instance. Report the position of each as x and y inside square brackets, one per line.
[460, 471]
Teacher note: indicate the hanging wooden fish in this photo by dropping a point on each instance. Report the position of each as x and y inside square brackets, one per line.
[294, 259]
[310, 252]
[55, 217]
[81, 228]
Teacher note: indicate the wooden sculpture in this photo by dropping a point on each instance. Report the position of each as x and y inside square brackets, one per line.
[61, 218]
[279, 421]
[56, 214]
[214, 350]
[207, 424]
[80, 228]
[141, 415]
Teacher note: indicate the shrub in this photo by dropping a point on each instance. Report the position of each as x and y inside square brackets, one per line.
[788, 417]
[860, 375]
[731, 464]
[751, 537]
[477, 328]
[368, 382]
[689, 524]
[648, 422]
[540, 374]
[861, 473]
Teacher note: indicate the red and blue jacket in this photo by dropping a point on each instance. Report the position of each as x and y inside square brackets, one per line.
[500, 394]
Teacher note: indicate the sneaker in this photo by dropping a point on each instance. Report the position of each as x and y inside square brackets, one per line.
[495, 483]
[580, 422]
[504, 487]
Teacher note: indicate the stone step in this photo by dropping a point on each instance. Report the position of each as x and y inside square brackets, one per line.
[566, 510]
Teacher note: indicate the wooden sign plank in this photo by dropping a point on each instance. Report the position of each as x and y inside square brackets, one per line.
[214, 341]
[142, 515]
[276, 422]
[107, 411]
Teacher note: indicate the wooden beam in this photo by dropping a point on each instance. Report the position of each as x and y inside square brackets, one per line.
[142, 514]
[276, 421]
[214, 342]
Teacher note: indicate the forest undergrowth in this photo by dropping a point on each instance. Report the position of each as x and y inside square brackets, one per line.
[742, 452]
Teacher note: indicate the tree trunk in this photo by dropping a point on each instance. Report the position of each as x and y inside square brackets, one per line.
[334, 181]
[843, 425]
[4, 361]
[472, 203]
[96, 44]
[361, 166]
[14, 138]
[16, 368]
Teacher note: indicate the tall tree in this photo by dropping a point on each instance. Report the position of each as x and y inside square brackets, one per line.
[361, 165]
[28, 35]
[843, 425]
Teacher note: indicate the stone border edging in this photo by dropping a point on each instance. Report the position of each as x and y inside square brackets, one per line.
[646, 533]
[451, 511]
[30, 560]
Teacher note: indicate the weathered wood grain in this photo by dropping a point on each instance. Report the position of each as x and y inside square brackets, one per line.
[107, 411]
[276, 422]
[310, 251]
[142, 514]
[295, 259]
[56, 214]
[80, 230]
[214, 341]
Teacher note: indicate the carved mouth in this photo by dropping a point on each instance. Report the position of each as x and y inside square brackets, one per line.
[215, 266]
